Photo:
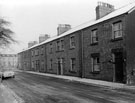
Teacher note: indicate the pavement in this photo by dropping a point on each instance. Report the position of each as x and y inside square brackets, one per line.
[88, 81]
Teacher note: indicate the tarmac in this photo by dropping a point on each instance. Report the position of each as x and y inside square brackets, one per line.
[8, 96]
[88, 81]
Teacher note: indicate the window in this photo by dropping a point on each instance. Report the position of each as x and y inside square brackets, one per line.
[94, 36]
[117, 30]
[51, 47]
[37, 51]
[62, 45]
[72, 42]
[95, 63]
[72, 63]
[32, 53]
[42, 50]
[58, 46]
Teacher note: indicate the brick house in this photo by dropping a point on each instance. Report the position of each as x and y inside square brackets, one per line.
[100, 49]
[106, 46]
[63, 55]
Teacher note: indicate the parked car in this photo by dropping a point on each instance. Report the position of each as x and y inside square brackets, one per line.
[7, 73]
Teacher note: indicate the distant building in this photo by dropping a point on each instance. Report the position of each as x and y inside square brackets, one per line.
[31, 43]
[8, 61]
[43, 37]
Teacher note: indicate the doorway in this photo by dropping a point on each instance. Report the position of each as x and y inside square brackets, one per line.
[119, 67]
[60, 66]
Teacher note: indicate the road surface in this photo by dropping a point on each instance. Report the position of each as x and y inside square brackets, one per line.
[33, 88]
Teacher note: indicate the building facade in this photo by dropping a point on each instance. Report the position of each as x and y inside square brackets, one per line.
[8, 61]
[102, 49]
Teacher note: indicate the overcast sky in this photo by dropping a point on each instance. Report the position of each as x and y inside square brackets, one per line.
[30, 18]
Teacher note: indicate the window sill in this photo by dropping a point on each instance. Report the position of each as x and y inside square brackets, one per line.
[72, 48]
[62, 50]
[116, 39]
[50, 69]
[95, 72]
[92, 44]
[72, 71]
[59, 50]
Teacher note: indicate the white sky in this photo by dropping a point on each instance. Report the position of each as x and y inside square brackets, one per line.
[30, 18]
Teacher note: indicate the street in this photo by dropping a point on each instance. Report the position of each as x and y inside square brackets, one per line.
[34, 88]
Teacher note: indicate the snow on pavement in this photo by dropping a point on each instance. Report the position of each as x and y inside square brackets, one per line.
[8, 96]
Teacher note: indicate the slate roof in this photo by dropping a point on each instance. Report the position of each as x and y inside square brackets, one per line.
[123, 10]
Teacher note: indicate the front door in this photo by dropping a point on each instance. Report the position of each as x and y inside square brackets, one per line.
[60, 66]
[119, 72]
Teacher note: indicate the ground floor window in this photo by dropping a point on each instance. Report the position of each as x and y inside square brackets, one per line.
[72, 64]
[32, 64]
[95, 62]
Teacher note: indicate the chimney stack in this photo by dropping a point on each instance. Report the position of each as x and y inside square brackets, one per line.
[43, 37]
[103, 9]
[31, 43]
[63, 28]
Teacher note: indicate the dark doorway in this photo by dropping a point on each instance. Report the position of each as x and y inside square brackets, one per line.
[59, 68]
[119, 72]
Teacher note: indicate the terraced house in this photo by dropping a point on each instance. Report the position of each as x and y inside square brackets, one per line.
[101, 49]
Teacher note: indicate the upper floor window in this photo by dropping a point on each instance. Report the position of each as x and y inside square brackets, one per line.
[72, 42]
[62, 45]
[58, 46]
[117, 30]
[42, 50]
[94, 36]
[32, 53]
[36, 52]
[95, 62]
[51, 47]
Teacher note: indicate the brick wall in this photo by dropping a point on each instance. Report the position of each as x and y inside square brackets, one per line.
[104, 47]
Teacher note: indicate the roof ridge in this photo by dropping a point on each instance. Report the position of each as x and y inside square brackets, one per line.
[124, 6]
[105, 15]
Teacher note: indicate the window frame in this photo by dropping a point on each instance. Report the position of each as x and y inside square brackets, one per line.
[94, 36]
[118, 30]
[51, 48]
[32, 53]
[58, 45]
[72, 64]
[95, 61]
[61, 44]
[72, 41]
[42, 50]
